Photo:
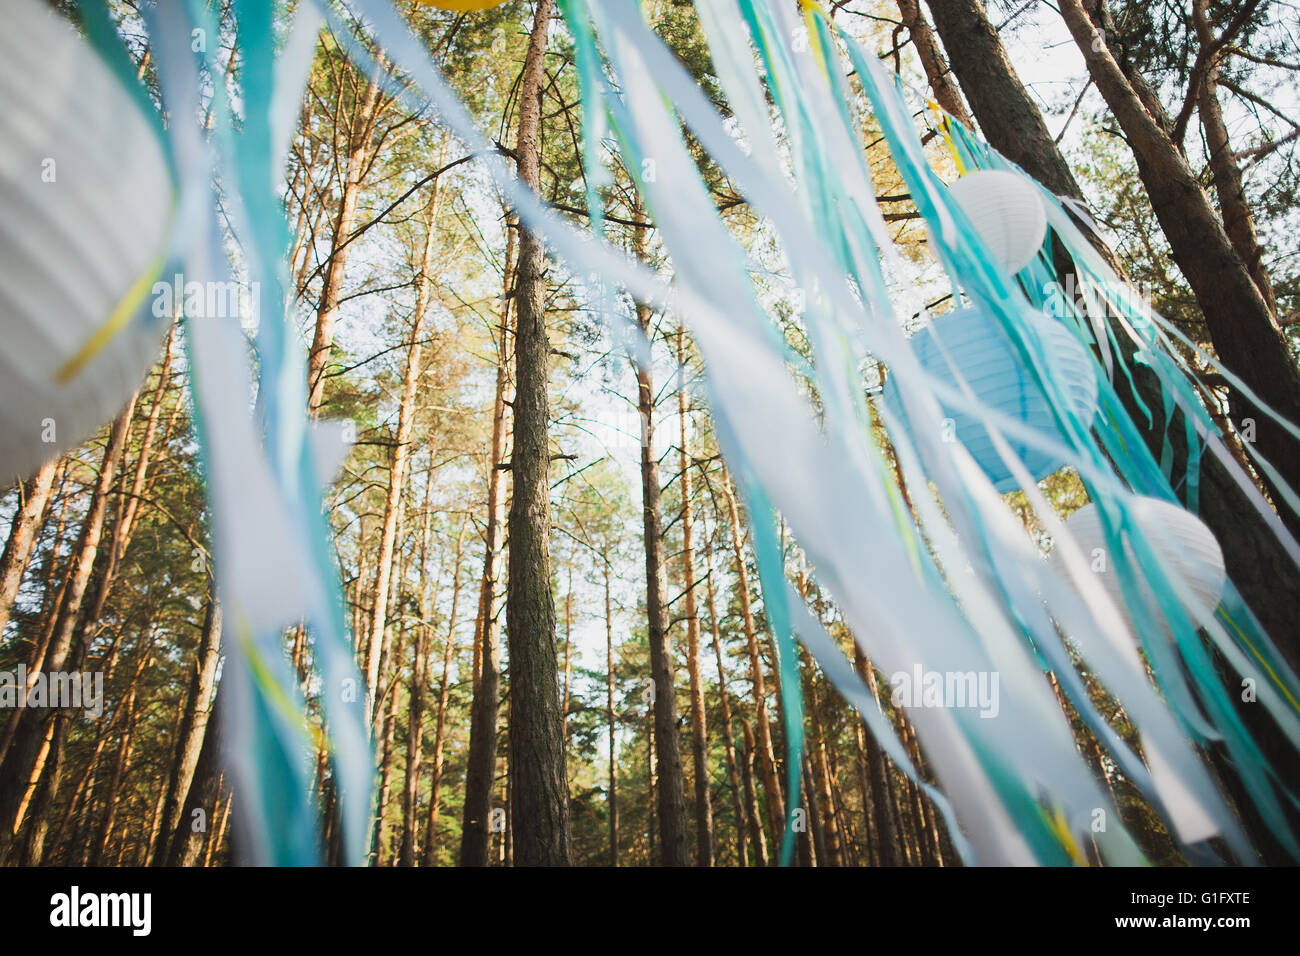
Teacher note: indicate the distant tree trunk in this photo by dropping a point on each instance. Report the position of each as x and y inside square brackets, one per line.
[199, 819]
[766, 756]
[540, 798]
[381, 849]
[400, 456]
[887, 834]
[928, 821]
[440, 723]
[480, 773]
[672, 801]
[830, 854]
[871, 842]
[729, 743]
[699, 732]
[121, 764]
[408, 849]
[33, 496]
[194, 726]
[748, 758]
[218, 835]
[611, 720]
[360, 129]
[568, 642]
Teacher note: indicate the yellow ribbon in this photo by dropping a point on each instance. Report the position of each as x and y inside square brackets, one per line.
[117, 321]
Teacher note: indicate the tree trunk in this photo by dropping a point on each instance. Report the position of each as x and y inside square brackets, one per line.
[480, 772]
[401, 454]
[1233, 206]
[937, 72]
[540, 797]
[612, 795]
[121, 763]
[444, 687]
[757, 835]
[729, 743]
[34, 494]
[194, 727]
[766, 756]
[1007, 116]
[408, 848]
[672, 801]
[199, 818]
[359, 151]
[887, 834]
[699, 732]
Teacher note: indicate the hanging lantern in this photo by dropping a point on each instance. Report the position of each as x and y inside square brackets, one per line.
[1186, 548]
[977, 347]
[84, 205]
[1006, 211]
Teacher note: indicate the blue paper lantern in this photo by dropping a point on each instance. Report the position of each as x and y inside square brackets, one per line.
[977, 346]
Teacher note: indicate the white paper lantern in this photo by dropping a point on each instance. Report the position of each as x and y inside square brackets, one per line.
[974, 342]
[85, 196]
[1007, 212]
[1186, 548]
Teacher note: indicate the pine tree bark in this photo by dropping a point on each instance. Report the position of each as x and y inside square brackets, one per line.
[359, 148]
[766, 756]
[887, 834]
[937, 72]
[480, 771]
[699, 730]
[199, 827]
[671, 798]
[1007, 116]
[408, 849]
[739, 807]
[194, 726]
[34, 495]
[400, 457]
[753, 816]
[1234, 208]
[610, 719]
[440, 722]
[540, 796]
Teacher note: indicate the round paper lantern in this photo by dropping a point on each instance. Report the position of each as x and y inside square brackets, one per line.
[1184, 546]
[1006, 211]
[85, 197]
[991, 367]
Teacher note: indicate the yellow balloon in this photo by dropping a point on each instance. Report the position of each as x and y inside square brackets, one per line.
[462, 6]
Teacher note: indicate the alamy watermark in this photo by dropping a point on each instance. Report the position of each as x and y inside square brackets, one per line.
[205, 300]
[74, 690]
[974, 689]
